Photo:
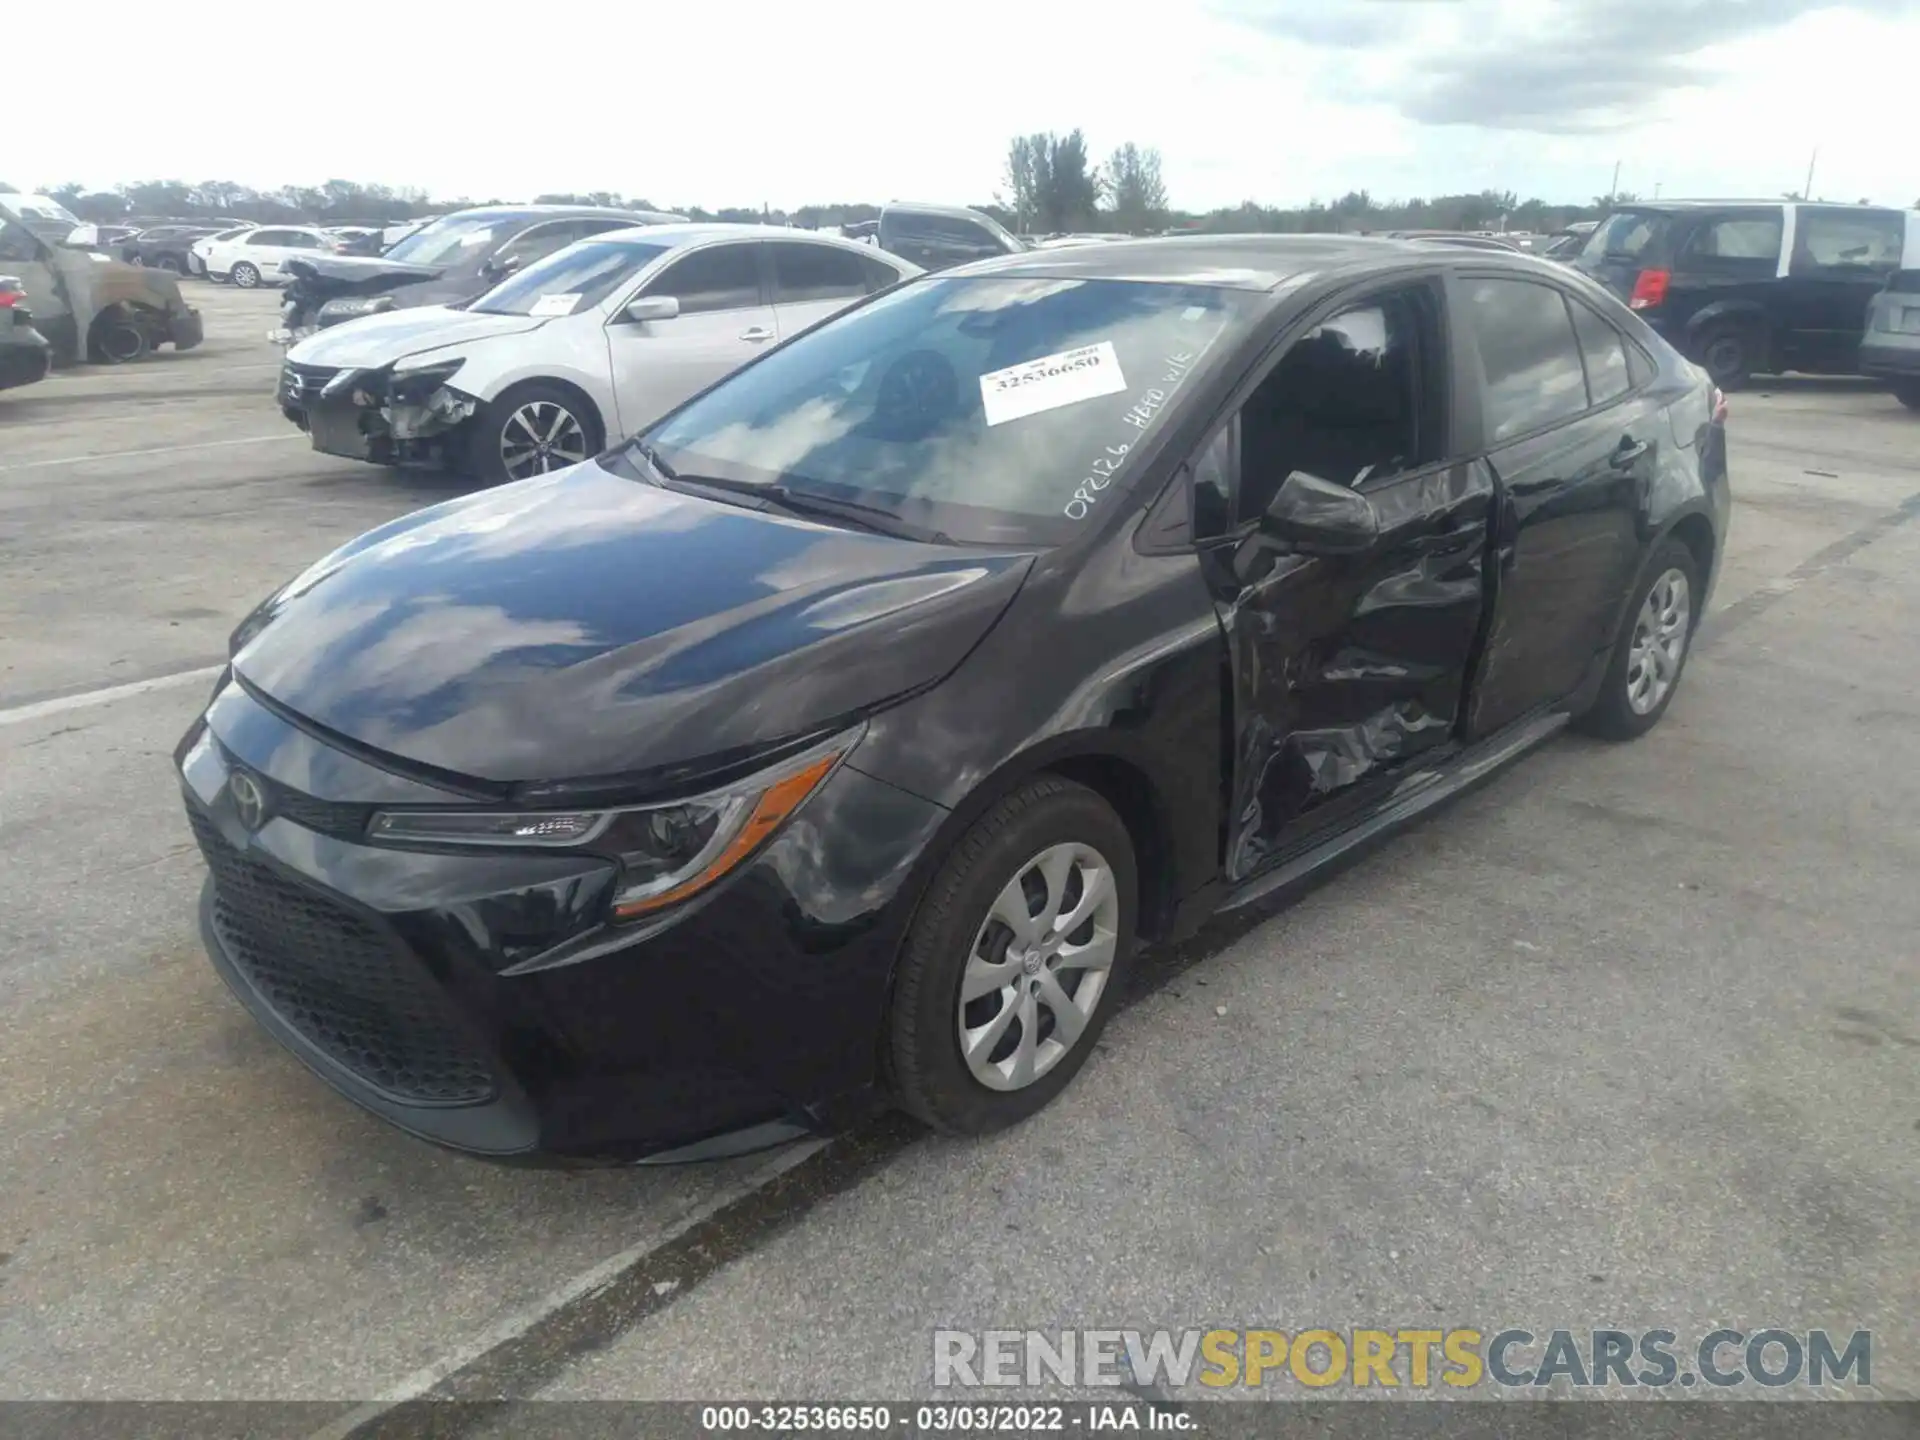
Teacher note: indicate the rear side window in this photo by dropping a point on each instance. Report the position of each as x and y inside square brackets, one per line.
[721, 277]
[1737, 237]
[1849, 241]
[879, 274]
[803, 272]
[1608, 376]
[1528, 353]
[1624, 235]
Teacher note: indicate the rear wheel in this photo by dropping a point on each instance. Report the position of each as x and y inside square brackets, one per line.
[1729, 353]
[116, 341]
[1907, 392]
[1651, 648]
[530, 430]
[245, 275]
[1014, 961]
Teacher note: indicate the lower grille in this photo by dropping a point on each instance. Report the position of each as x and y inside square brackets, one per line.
[340, 982]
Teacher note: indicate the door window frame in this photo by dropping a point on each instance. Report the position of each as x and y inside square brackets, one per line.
[1468, 354]
[770, 277]
[1223, 425]
[667, 263]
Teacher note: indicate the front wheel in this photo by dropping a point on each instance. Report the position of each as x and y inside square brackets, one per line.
[1907, 392]
[1014, 961]
[1651, 648]
[245, 276]
[530, 430]
[172, 264]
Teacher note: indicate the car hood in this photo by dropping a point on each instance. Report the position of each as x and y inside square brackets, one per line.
[586, 626]
[356, 274]
[376, 340]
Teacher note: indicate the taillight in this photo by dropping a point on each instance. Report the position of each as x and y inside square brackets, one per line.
[1719, 406]
[10, 298]
[1650, 289]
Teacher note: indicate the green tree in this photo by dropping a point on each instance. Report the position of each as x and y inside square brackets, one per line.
[1135, 192]
[1055, 186]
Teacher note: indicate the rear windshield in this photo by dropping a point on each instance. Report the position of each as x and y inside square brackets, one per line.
[1624, 235]
[570, 280]
[992, 410]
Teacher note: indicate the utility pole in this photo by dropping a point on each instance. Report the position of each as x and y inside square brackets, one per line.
[1807, 194]
[1614, 189]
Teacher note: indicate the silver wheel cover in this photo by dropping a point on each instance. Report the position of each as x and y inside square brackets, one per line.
[1038, 966]
[1660, 634]
[541, 435]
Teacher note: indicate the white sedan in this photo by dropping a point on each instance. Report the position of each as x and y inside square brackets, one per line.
[252, 256]
[574, 353]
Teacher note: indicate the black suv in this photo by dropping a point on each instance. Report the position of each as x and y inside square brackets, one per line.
[1743, 287]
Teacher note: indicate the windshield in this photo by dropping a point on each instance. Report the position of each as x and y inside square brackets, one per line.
[448, 241]
[992, 410]
[570, 280]
[45, 218]
[1623, 235]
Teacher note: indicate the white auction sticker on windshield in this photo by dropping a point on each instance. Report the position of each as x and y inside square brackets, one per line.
[555, 305]
[1050, 382]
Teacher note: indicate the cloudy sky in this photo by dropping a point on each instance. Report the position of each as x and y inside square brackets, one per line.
[782, 102]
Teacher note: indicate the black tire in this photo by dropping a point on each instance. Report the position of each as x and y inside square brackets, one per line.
[116, 342]
[930, 1077]
[485, 460]
[172, 264]
[245, 275]
[1907, 392]
[1614, 716]
[1729, 353]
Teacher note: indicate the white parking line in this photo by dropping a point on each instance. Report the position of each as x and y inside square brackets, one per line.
[518, 1322]
[40, 709]
[157, 450]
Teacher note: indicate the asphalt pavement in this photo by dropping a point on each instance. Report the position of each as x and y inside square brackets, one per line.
[1629, 1037]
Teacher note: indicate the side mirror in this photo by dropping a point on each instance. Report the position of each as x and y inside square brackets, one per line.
[653, 307]
[1312, 516]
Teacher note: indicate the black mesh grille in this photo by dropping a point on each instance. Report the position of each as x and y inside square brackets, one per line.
[329, 817]
[340, 982]
[302, 384]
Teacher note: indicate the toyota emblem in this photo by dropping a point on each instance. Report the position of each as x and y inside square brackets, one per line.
[249, 801]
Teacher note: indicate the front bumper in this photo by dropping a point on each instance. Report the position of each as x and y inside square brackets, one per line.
[185, 328]
[24, 364]
[481, 1000]
[1891, 357]
[350, 413]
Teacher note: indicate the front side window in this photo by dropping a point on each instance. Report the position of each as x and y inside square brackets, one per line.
[720, 277]
[1528, 354]
[803, 273]
[1346, 403]
[1850, 242]
[993, 410]
[1737, 237]
[535, 244]
[17, 242]
[576, 279]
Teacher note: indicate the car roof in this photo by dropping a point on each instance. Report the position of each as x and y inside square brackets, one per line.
[689, 231]
[1235, 262]
[552, 212]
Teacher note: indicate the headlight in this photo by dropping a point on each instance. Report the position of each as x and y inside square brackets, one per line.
[414, 385]
[668, 853]
[348, 309]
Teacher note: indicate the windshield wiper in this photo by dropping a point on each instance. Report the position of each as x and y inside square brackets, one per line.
[802, 503]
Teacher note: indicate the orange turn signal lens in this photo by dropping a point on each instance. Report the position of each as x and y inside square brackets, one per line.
[776, 803]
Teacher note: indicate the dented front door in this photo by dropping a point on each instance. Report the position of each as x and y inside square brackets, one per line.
[1344, 669]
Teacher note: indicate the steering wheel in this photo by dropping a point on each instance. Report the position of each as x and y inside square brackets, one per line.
[917, 392]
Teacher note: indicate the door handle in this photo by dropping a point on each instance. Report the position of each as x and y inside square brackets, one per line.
[1627, 454]
[756, 333]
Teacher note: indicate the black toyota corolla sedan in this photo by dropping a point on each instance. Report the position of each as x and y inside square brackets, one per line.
[840, 738]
